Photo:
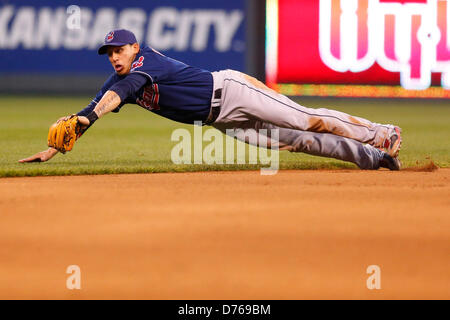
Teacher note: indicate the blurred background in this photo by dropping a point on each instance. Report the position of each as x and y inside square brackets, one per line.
[51, 46]
[362, 48]
[373, 48]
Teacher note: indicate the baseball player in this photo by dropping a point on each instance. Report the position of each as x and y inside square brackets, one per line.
[224, 99]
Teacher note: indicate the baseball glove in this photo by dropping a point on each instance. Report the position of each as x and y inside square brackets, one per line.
[63, 134]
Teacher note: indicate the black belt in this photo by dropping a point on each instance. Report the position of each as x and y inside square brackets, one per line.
[215, 107]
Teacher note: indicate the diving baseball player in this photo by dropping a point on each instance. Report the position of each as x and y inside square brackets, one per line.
[225, 100]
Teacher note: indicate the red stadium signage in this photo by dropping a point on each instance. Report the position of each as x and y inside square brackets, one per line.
[378, 47]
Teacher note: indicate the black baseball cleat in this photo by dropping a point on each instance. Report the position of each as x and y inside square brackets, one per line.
[390, 163]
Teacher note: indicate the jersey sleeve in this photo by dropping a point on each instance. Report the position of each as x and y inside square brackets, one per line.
[128, 87]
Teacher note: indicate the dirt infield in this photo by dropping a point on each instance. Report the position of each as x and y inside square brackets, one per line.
[227, 235]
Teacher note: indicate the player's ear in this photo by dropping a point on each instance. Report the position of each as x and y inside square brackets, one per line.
[135, 47]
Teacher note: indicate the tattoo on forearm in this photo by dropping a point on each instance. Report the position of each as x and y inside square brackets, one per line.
[108, 103]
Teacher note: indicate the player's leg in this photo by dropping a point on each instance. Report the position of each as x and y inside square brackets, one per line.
[245, 98]
[318, 144]
[328, 145]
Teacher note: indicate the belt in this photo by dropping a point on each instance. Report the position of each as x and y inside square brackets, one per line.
[215, 107]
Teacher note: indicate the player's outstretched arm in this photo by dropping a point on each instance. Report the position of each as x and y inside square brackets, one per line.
[108, 103]
[41, 156]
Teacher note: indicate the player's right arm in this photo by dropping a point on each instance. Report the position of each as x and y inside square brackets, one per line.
[116, 95]
[106, 101]
[46, 154]
[51, 152]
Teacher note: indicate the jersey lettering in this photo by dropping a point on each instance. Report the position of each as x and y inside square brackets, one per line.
[150, 97]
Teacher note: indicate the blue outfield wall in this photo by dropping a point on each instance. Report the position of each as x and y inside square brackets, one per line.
[54, 38]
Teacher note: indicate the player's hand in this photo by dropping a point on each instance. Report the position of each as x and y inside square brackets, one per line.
[83, 120]
[41, 156]
[63, 118]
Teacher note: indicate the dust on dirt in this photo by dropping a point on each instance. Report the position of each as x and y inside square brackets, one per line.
[423, 166]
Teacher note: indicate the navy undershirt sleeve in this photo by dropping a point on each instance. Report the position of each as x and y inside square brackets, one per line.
[88, 109]
[129, 86]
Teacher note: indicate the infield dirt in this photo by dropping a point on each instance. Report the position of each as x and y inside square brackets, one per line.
[227, 235]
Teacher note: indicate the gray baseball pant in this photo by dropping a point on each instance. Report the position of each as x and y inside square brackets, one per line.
[248, 104]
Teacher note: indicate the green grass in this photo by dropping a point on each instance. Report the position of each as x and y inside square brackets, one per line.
[136, 140]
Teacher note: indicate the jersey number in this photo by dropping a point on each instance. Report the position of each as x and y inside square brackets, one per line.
[150, 97]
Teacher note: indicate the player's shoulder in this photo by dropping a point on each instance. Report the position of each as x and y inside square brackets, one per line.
[154, 64]
[147, 50]
[145, 56]
[148, 59]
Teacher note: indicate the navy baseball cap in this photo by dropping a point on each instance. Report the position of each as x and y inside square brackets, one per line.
[117, 38]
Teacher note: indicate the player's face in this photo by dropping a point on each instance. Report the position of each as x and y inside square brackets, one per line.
[122, 57]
